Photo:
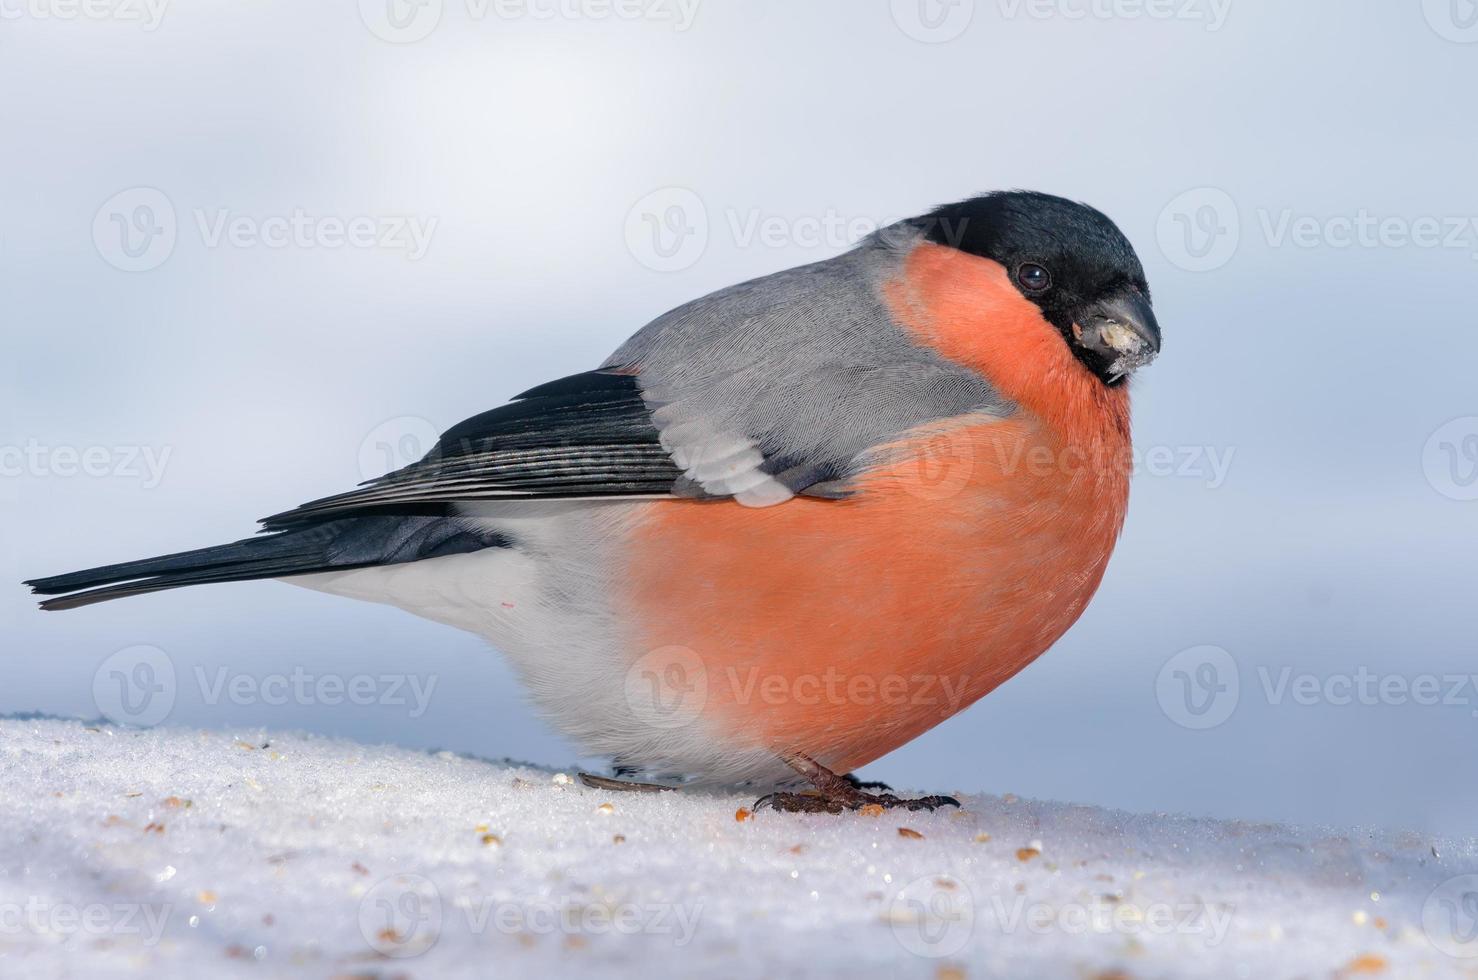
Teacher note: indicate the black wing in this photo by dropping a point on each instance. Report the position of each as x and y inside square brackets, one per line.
[588, 435]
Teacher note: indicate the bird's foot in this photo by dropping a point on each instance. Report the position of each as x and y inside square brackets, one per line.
[836, 794]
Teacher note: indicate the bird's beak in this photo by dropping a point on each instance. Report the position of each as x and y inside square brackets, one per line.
[1122, 330]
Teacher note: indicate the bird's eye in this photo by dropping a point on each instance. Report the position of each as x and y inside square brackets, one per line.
[1033, 278]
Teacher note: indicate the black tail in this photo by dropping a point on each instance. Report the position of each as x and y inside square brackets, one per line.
[356, 542]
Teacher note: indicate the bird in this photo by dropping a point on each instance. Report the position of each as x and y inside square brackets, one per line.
[786, 527]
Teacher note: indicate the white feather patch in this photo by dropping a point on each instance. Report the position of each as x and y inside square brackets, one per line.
[722, 463]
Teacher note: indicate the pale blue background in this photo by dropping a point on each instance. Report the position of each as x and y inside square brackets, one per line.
[263, 370]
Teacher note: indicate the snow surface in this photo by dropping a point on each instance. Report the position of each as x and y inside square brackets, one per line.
[181, 853]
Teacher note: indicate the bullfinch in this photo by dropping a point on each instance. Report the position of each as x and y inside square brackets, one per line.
[786, 527]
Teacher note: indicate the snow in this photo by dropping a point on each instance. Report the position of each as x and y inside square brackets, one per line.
[165, 852]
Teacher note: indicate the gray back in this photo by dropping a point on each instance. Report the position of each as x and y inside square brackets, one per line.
[807, 364]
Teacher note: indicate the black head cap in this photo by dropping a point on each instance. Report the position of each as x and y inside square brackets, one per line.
[1071, 261]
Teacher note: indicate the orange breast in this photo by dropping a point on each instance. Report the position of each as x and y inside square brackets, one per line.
[842, 629]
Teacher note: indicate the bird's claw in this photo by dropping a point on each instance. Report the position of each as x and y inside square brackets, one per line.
[798, 803]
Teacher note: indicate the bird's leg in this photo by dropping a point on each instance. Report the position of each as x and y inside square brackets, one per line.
[835, 794]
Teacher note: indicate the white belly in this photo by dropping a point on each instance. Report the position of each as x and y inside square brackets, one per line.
[545, 603]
